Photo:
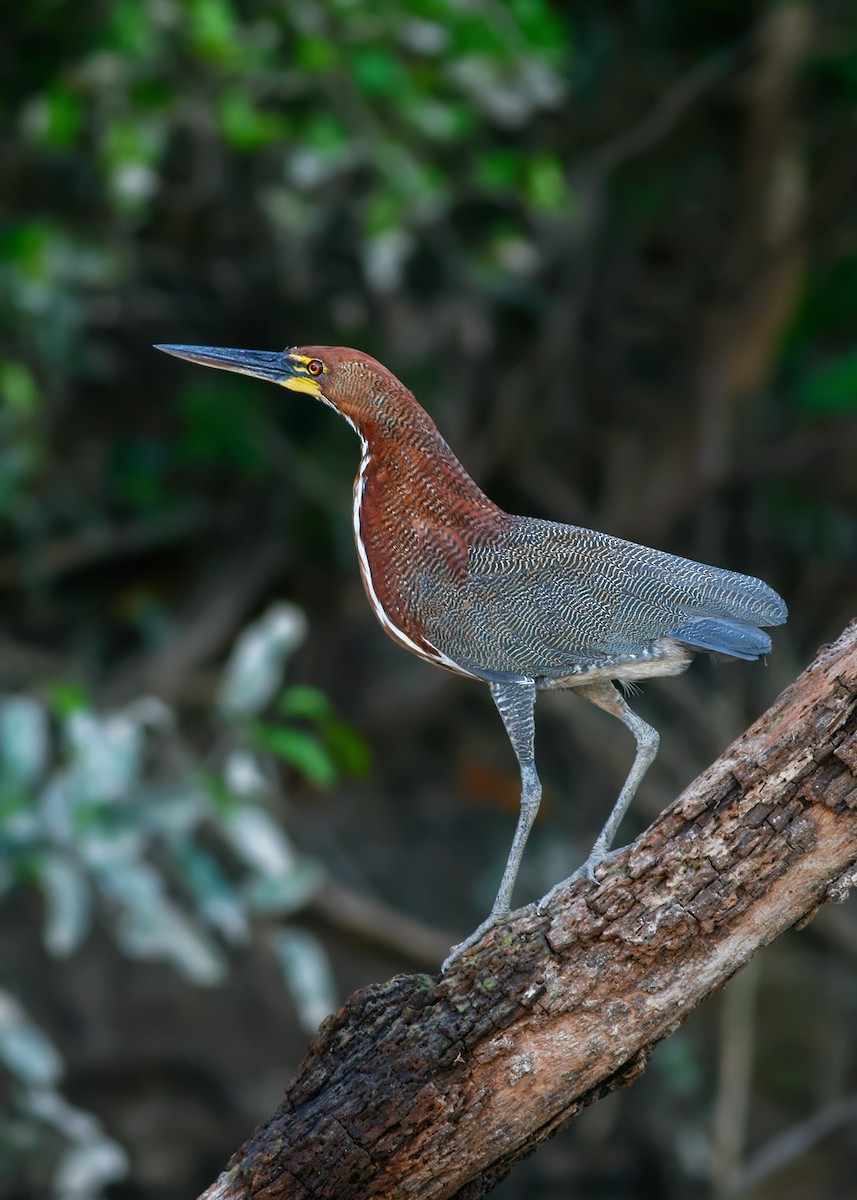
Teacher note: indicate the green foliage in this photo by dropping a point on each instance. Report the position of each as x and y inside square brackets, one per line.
[18, 388]
[332, 747]
[244, 126]
[410, 109]
[219, 425]
[176, 851]
[214, 30]
[300, 749]
[347, 750]
[830, 389]
[64, 697]
[86, 811]
[90, 1159]
[394, 84]
[56, 118]
[414, 177]
[828, 303]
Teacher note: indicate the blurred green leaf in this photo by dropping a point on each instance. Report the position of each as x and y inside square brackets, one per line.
[151, 927]
[256, 838]
[314, 54]
[541, 25]
[385, 213]
[546, 185]
[306, 971]
[828, 303]
[323, 131]
[18, 388]
[24, 744]
[26, 245]
[286, 892]
[131, 148]
[218, 901]
[24, 1049]
[13, 802]
[214, 29]
[831, 389]
[379, 72]
[304, 701]
[498, 169]
[63, 697]
[106, 755]
[67, 900]
[56, 117]
[254, 672]
[246, 127]
[223, 800]
[85, 1168]
[442, 122]
[299, 749]
[130, 29]
[473, 35]
[350, 751]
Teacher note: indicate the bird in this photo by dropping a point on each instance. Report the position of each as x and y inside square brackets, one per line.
[522, 604]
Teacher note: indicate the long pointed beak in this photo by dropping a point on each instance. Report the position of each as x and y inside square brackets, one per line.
[272, 365]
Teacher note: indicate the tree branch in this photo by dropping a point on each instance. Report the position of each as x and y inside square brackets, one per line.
[425, 1087]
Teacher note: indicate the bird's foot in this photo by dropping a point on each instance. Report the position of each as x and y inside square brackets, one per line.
[496, 918]
[597, 858]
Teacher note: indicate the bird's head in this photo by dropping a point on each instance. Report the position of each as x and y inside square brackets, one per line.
[354, 383]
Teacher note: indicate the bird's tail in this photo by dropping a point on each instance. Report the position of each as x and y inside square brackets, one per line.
[723, 635]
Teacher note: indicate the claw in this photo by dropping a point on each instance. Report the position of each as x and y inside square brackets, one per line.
[588, 868]
[469, 942]
[585, 871]
[495, 919]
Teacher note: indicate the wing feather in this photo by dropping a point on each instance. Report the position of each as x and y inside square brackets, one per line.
[548, 598]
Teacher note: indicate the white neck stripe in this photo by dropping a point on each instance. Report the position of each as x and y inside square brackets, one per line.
[428, 652]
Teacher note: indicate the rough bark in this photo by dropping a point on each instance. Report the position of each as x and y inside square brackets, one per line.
[433, 1087]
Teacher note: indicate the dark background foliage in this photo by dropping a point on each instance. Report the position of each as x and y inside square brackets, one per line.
[613, 250]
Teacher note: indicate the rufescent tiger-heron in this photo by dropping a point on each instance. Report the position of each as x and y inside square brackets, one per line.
[525, 605]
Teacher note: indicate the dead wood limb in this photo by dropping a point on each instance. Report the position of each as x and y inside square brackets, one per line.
[425, 1087]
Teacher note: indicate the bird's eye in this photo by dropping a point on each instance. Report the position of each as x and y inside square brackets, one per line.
[315, 366]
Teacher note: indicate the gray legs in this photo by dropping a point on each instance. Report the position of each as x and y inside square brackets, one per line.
[607, 696]
[516, 702]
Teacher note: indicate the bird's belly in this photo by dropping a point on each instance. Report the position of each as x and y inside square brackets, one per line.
[662, 657]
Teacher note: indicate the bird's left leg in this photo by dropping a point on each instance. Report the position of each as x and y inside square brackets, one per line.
[606, 695]
[516, 700]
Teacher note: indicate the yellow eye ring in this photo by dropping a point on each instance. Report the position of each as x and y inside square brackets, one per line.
[315, 367]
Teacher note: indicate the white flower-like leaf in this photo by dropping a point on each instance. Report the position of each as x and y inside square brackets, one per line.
[255, 668]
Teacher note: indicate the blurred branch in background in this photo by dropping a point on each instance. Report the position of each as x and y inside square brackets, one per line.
[735, 1071]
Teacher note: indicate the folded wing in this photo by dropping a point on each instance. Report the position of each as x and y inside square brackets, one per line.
[549, 599]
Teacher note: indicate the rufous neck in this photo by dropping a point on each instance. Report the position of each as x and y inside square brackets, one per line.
[417, 465]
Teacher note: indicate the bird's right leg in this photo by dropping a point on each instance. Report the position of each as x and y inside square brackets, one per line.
[607, 696]
[516, 702]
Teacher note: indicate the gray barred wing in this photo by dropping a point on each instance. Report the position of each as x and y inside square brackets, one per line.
[549, 599]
